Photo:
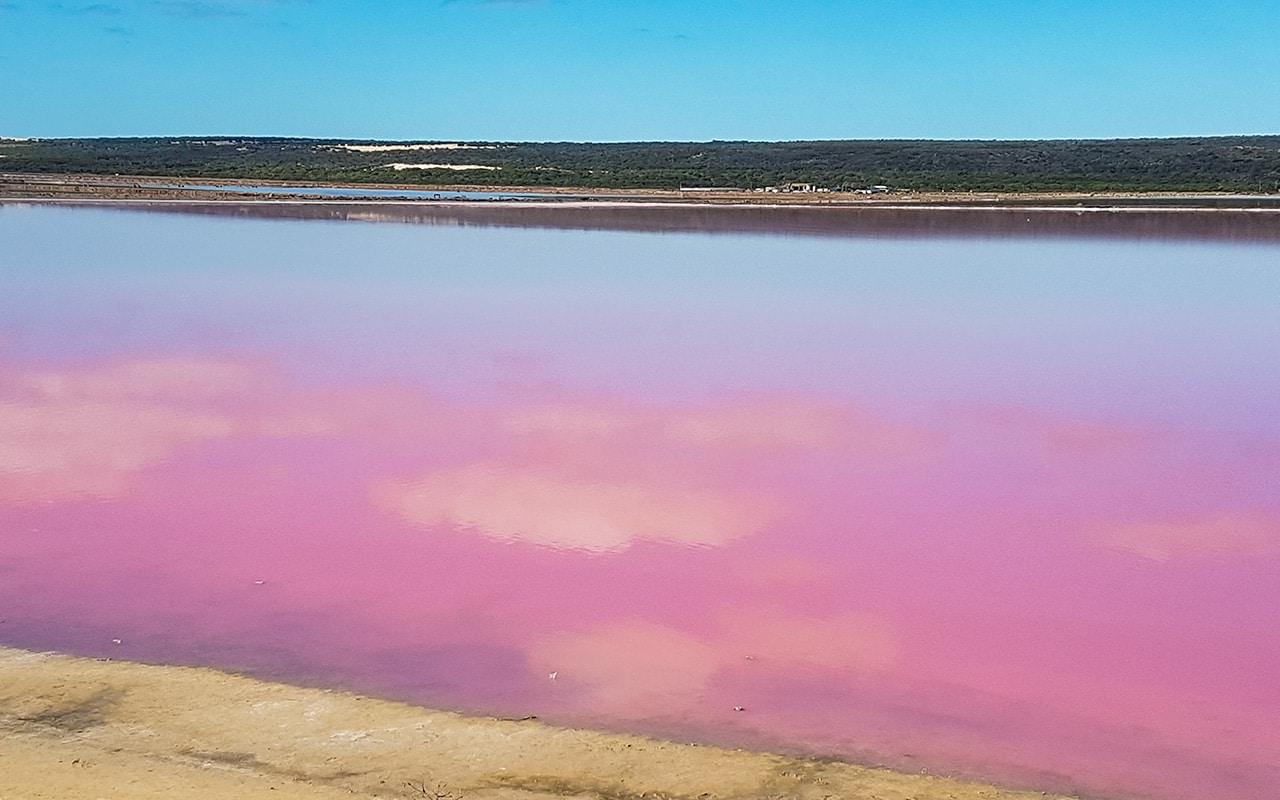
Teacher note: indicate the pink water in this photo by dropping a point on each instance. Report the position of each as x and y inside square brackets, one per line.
[1007, 507]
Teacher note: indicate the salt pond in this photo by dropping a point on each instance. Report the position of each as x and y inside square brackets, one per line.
[1003, 504]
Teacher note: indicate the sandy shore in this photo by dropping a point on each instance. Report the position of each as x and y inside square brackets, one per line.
[80, 728]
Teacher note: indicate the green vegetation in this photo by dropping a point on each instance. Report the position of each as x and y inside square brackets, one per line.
[1235, 163]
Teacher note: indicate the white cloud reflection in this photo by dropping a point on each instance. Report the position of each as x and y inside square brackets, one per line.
[544, 508]
[87, 432]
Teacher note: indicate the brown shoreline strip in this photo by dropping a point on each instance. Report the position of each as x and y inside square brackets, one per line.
[75, 728]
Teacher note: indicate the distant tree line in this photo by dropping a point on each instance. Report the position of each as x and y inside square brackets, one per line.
[1231, 163]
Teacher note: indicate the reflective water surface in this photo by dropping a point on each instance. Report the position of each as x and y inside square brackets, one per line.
[1004, 505]
[339, 191]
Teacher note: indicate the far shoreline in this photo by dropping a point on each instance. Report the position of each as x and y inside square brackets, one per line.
[81, 187]
[1186, 220]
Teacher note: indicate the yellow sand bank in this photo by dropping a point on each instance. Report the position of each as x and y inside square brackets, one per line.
[78, 728]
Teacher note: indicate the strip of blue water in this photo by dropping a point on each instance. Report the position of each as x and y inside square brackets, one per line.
[337, 191]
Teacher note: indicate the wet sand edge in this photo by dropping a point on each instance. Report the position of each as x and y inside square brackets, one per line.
[84, 728]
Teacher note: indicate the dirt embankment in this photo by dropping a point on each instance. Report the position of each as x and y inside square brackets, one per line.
[78, 728]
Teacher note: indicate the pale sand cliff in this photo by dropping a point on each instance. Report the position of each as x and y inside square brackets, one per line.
[80, 728]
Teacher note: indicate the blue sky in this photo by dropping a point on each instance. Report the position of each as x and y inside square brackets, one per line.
[614, 70]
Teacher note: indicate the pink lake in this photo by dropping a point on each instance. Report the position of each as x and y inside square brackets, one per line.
[937, 491]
